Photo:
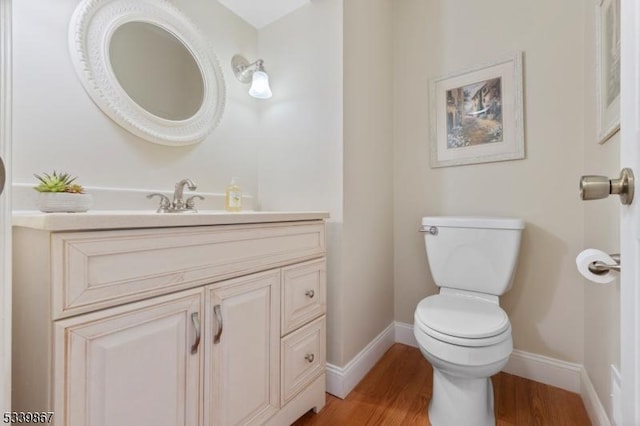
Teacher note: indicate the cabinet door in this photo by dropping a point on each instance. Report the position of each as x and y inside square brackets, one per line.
[242, 353]
[132, 365]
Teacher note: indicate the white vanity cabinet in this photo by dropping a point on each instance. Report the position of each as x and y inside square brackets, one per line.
[195, 325]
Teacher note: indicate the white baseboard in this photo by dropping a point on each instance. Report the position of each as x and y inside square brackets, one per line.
[562, 374]
[593, 405]
[550, 371]
[404, 334]
[342, 380]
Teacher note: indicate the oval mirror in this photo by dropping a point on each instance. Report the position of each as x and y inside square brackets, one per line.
[156, 70]
[148, 68]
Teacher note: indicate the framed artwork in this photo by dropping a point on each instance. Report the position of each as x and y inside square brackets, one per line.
[476, 114]
[607, 68]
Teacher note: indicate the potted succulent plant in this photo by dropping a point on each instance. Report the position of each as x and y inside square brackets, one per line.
[57, 192]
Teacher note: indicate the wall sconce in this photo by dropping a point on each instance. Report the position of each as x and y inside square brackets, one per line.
[252, 72]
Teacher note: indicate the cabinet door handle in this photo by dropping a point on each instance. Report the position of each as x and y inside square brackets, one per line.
[196, 325]
[310, 358]
[218, 333]
[310, 294]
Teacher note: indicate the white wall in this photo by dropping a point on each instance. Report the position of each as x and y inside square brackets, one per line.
[288, 149]
[57, 126]
[300, 140]
[438, 37]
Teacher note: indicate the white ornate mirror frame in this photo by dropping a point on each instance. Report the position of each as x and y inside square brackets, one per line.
[90, 30]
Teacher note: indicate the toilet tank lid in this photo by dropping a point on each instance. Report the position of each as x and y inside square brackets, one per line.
[474, 222]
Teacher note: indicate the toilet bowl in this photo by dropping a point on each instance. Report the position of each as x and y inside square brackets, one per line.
[462, 392]
[462, 331]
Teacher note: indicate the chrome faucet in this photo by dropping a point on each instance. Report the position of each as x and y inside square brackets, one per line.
[178, 202]
[178, 205]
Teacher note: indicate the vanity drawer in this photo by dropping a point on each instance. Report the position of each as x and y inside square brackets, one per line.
[304, 294]
[303, 358]
[98, 269]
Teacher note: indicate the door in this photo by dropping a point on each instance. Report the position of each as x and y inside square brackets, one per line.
[630, 215]
[242, 353]
[138, 364]
[5, 206]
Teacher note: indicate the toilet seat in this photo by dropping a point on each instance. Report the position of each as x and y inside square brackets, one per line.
[465, 353]
[462, 320]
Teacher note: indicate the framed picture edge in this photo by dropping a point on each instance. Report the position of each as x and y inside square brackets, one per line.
[604, 132]
[516, 57]
[605, 136]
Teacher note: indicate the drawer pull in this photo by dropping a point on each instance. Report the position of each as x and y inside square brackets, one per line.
[310, 294]
[218, 333]
[310, 358]
[196, 325]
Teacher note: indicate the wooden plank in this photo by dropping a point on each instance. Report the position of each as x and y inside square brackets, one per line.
[504, 386]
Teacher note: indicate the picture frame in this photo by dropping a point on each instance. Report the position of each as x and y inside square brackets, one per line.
[607, 68]
[477, 114]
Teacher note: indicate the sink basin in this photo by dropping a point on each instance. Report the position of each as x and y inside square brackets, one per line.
[177, 212]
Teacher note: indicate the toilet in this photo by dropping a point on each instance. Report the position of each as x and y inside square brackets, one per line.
[462, 331]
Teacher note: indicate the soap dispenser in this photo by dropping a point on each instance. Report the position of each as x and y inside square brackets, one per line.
[233, 197]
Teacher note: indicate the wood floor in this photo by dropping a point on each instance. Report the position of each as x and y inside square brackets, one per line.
[397, 390]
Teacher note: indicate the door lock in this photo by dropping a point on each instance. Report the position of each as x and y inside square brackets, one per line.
[597, 187]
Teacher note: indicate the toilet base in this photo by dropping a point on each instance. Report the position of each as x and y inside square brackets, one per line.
[461, 401]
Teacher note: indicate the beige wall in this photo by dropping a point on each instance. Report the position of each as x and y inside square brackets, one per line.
[601, 231]
[367, 244]
[602, 302]
[301, 141]
[369, 165]
[437, 37]
[323, 148]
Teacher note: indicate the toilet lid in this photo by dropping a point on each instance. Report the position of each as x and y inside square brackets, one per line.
[462, 316]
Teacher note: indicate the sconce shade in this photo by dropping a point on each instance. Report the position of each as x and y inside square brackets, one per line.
[260, 85]
[253, 72]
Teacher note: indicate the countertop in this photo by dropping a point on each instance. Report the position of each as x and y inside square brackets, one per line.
[130, 219]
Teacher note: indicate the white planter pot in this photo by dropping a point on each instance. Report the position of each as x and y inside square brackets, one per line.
[61, 202]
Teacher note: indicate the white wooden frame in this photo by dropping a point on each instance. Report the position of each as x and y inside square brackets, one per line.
[5, 207]
[509, 69]
[90, 30]
[630, 216]
[607, 112]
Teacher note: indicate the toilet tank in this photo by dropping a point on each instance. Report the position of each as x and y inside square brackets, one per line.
[473, 253]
